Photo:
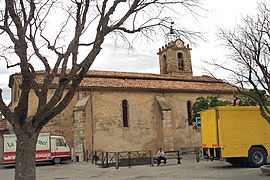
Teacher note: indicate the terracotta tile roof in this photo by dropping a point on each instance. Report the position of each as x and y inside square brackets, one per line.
[145, 81]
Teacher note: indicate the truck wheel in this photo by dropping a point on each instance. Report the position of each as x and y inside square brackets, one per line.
[257, 157]
[56, 160]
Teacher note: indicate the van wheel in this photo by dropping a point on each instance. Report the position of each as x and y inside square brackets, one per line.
[56, 160]
[257, 157]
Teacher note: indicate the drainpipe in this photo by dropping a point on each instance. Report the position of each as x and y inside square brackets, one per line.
[92, 120]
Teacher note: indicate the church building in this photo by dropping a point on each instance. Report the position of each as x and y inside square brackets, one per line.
[126, 111]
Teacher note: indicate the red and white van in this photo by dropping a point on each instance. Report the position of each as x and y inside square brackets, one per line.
[48, 148]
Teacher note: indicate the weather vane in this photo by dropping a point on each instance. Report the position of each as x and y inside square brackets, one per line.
[172, 35]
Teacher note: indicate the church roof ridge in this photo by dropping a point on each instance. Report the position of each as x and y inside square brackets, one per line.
[146, 81]
[141, 75]
[138, 75]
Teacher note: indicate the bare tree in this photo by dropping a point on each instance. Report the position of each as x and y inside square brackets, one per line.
[25, 23]
[249, 57]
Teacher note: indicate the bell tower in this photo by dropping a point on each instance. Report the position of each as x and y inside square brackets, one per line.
[175, 58]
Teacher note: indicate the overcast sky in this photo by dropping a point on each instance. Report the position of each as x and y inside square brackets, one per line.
[220, 13]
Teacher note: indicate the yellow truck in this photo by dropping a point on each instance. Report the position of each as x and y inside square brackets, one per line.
[238, 134]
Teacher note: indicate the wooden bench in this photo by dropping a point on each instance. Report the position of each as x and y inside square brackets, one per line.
[171, 155]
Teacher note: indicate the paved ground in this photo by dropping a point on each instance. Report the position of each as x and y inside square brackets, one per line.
[189, 169]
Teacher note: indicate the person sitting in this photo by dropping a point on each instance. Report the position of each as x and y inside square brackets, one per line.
[160, 156]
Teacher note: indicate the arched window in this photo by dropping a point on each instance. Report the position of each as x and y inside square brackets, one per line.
[165, 63]
[125, 112]
[189, 112]
[180, 61]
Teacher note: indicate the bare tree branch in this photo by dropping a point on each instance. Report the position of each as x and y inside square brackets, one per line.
[250, 55]
[37, 40]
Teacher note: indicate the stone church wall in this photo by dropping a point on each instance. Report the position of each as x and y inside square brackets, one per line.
[185, 135]
[145, 121]
[104, 111]
[110, 135]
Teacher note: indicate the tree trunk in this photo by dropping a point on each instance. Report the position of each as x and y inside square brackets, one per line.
[25, 166]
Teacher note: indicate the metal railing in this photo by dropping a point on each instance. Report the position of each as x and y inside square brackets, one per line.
[133, 158]
[118, 159]
[192, 151]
